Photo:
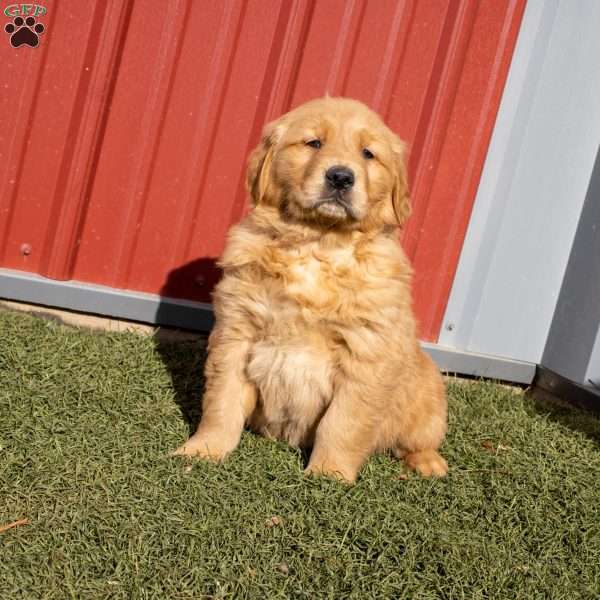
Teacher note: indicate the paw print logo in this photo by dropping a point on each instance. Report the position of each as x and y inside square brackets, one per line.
[24, 32]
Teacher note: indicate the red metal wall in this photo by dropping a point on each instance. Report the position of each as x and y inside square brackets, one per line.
[123, 136]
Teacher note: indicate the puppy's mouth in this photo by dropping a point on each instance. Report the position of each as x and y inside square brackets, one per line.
[336, 204]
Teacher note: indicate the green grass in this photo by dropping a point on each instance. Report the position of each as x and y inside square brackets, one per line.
[87, 421]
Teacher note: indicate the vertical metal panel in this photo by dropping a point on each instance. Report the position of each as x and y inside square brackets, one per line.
[592, 375]
[54, 101]
[533, 187]
[575, 325]
[138, 123]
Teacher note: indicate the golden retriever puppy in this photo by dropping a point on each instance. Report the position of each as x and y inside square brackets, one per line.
[314, 341]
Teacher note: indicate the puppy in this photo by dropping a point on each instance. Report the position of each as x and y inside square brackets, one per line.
[315, 341]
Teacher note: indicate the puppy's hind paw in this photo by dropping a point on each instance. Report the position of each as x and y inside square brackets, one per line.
[427, 462]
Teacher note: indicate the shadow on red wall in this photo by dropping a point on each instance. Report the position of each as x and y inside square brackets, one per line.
[202, 274]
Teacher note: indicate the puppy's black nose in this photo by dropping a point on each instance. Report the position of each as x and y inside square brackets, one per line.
[340, 178]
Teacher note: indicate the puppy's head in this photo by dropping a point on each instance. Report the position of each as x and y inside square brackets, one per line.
[331, 162]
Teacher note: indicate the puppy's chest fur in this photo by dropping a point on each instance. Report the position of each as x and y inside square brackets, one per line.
[293, 363]
[310, 303]
[317, 279]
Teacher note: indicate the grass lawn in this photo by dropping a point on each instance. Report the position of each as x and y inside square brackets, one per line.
[87, 421]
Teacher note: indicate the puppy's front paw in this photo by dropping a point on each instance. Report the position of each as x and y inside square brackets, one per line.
[427, 462]
[330, 470]
[205, 447]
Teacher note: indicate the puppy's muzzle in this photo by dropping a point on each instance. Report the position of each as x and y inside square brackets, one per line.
[339, 182]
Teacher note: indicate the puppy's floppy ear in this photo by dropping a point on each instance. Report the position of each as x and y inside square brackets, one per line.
[400, 197]
[258, 174]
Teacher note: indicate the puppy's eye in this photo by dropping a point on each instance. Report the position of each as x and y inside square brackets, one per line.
[367, 154]
[314, 143]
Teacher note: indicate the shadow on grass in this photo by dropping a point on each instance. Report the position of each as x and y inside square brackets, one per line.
[566, 414]
[184, 360]
[184, 353]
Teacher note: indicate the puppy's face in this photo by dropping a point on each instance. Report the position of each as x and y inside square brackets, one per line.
[331, 162]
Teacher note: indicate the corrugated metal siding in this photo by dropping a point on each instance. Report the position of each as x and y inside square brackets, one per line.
[124, 135]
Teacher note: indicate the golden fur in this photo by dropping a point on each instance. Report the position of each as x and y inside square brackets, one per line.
[314, 341]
